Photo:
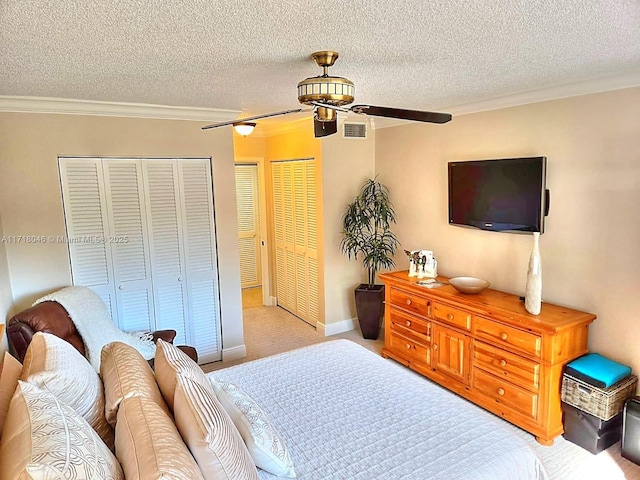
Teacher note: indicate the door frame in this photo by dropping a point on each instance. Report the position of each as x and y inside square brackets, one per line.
[267, 299]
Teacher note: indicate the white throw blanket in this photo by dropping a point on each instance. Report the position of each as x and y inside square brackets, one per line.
[92, 320]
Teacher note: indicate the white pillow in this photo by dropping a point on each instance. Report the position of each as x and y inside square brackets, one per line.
[265, 445]
[53, 364]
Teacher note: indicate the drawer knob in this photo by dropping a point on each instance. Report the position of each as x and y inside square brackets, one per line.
[408, 323]
[501, 391]
[408, 301]
[435, 346]
[408, 346]
[503, 363]
[450, 316]
[503, 336]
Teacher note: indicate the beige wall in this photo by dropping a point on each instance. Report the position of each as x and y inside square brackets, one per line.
[31, 202]
[343, 165]
[590, 256]
[347, 163]
[5, 287]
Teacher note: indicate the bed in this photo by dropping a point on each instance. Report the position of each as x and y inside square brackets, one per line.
[347, 413]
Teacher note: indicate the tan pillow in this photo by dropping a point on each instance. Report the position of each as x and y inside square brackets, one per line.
[45, 439]
[148, 444]
[55, 365]
[210, 434]
[125, 373]
[170, 362]
[9, 376]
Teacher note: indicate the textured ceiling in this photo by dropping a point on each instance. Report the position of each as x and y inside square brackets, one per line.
[249, 55]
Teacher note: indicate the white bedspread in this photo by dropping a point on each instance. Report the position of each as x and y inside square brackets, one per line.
[346, 413]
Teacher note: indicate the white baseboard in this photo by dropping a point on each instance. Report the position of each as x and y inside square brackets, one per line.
[327, 330]
[273, 302]
[234, 353]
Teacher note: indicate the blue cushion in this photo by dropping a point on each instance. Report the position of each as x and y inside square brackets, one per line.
[600, 368]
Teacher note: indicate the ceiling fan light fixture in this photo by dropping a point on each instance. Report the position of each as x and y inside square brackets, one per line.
[244, 128]
[326, 114]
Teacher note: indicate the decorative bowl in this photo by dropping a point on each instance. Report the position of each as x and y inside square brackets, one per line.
[469, 284]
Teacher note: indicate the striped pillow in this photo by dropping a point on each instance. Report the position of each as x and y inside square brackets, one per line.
[170, 363]
[210, 434]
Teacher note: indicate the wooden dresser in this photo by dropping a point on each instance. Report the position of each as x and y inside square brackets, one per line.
[486, 348]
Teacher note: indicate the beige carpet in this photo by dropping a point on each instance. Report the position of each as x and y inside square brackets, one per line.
[251, 297]
[270, 330]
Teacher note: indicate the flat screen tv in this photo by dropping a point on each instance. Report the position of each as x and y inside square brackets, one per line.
[503, 195]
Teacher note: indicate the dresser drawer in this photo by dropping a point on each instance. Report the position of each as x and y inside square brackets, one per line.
[510, 396]
[404, 322]
[510, 338]
[514, 369]
[451, 315]
[407, 301]
[409, 348]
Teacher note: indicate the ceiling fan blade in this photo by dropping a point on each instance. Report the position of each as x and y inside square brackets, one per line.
[324, 129]
[248, 119]
[415, 115]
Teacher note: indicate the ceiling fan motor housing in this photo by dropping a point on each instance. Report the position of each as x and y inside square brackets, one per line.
[326, 89]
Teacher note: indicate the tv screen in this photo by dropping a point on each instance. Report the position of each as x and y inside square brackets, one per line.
[505, 195]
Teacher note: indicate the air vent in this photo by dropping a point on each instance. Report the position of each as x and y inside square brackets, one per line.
[355, 130]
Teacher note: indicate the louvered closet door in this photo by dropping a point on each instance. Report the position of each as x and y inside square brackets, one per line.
[166, 246]
[248, 225]
[200, 258]
[164, 276]
[86, 223]
[129, 243]
[296, 227]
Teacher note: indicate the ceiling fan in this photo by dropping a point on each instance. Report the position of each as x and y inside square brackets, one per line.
[328, 95]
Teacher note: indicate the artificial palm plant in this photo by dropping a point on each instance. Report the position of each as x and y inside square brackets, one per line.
[366, 234]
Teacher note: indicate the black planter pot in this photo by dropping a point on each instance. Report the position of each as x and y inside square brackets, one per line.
[370, 309]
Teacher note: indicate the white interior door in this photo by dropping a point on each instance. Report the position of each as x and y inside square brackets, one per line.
[249, 240]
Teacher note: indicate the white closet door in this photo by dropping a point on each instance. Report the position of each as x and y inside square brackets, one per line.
[203, 300]
[166, 246]
[296, 233]
[129, 243]
[248, 225]
[279, 214]
[312, 242]
[157, 268]
[87, 227]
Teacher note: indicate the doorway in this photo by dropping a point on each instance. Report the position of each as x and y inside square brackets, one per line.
[252, 232]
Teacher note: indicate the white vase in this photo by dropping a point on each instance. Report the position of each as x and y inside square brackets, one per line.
[533, 291]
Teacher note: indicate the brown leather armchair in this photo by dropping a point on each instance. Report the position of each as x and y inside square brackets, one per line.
[51, 317]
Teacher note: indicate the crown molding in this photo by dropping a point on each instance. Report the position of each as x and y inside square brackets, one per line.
[600, 85]
[67, 106]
